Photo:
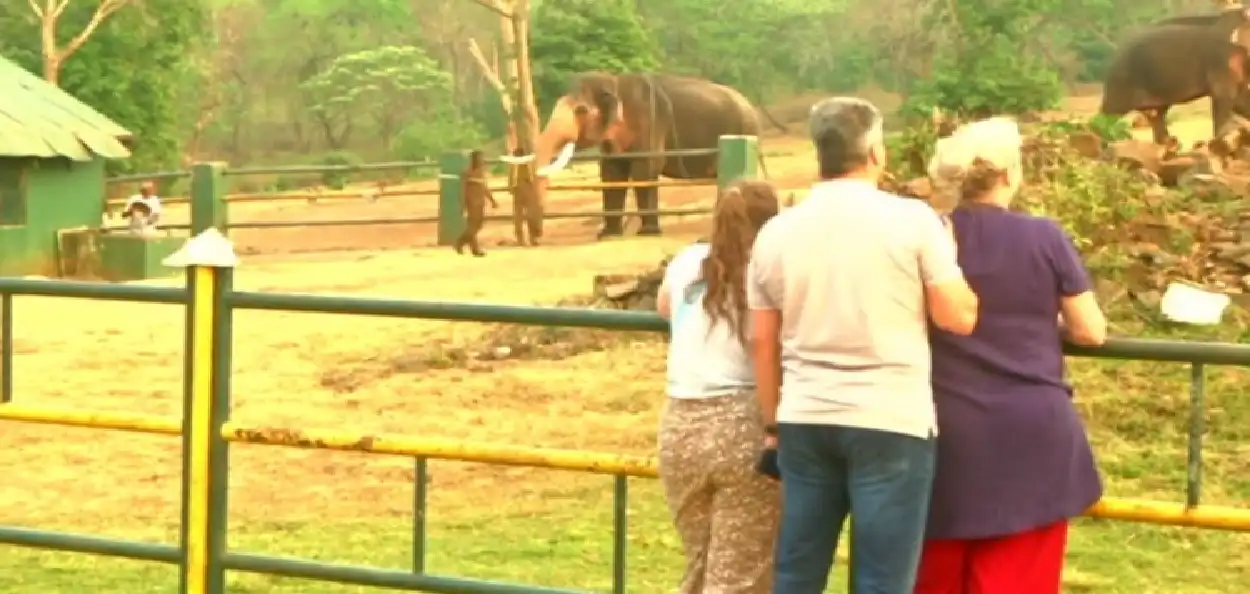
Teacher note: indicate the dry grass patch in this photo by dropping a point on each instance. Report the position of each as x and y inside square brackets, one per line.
[289, 371]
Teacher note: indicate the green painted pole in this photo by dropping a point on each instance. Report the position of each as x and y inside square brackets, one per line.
[737, 158]
[451, 196]
[208, 197]
[6, 348]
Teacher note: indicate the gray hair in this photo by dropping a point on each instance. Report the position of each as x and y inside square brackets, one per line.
[844, 130]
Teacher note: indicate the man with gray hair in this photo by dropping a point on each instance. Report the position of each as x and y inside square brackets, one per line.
[841, 288]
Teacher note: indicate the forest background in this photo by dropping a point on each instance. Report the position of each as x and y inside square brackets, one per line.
[308, 81]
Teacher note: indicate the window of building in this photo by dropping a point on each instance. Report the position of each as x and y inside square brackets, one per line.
[12, 192]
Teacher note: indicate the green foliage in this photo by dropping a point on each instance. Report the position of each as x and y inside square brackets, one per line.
[429, 138]
[996, 83]
[984, 72]
[764, 48]
[337, 180]
[391, 84]
[138, 69]
[909, 150]
[574, 36]
[1108, 128]
[1085, 195]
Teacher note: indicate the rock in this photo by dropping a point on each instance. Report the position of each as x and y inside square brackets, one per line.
[1171, 171]
[1086, 144]
[629, 291]
[618, 290]
[1135, 154]
[1149, 299]
[920, 188]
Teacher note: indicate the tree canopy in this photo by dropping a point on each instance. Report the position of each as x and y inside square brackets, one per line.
[272, 80]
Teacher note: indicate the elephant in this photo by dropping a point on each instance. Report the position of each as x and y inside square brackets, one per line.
[620, 113]
[1178, 60]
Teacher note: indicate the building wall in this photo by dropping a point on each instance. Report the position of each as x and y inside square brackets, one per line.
[60, 194]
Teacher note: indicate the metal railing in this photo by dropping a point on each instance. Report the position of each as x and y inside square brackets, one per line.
[449, 217]
[207, 431]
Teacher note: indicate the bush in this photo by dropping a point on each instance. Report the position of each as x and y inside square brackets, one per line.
[1108, 128]
[994, 83]
[337, 180]
[429, 138]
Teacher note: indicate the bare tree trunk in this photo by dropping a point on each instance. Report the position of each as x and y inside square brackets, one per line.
[491, 74]
[516, 85]
[527, 116]
[49, 13]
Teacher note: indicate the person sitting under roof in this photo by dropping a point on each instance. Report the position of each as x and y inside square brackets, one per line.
[143, 209]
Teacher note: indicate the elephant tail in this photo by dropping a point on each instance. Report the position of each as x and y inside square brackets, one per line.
[759, 152]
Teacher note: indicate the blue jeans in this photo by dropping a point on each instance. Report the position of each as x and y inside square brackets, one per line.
[881, 479]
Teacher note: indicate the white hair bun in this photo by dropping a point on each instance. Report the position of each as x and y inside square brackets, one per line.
[995, 140]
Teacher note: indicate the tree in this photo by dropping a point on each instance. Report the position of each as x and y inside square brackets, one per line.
[588, 35]
[389, 83]
[518, 82]
[987, 69]
[49, 13]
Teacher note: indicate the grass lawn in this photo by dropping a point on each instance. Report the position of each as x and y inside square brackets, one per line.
[554, 528]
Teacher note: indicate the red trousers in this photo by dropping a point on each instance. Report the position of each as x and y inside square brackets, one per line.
[1025, 563]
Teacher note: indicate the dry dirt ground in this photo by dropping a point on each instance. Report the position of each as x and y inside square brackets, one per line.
[779, 151]
[787, 157]
[372, 375]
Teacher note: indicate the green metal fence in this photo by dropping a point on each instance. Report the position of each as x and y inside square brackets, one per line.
[737, 157]
[206, 429]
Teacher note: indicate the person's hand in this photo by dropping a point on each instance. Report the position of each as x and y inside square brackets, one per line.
[766, 465]
[770, 442]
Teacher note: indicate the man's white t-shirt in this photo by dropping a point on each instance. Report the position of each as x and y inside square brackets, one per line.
[153, 203]
[705, 360]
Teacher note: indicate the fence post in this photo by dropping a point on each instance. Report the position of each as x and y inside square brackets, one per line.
[451, 196]
[6, 348]
[208, 258]
[737, 158]
[208, 197]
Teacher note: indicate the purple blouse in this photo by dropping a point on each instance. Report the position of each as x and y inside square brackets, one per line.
[1012, 451]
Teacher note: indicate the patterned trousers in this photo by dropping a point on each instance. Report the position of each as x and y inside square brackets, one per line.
[725, 513]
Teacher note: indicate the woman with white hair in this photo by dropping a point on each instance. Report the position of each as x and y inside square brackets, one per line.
[1013, 461]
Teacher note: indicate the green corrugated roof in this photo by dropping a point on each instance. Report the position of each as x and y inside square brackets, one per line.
[39, 120]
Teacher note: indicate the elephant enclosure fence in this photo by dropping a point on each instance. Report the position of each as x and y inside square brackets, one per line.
[399, 202]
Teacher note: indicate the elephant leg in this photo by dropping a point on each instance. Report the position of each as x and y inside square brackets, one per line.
[647, 198]
[613, 171]
[1158, 118]
[1222, 101]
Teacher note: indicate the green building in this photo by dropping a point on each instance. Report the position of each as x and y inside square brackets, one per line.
[52, 153]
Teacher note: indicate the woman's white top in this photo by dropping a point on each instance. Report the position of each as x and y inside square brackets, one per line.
[704, 360]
